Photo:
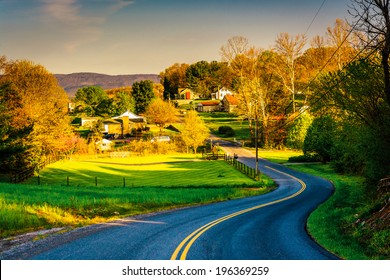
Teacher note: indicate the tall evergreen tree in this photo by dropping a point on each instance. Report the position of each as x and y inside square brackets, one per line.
[143, 95]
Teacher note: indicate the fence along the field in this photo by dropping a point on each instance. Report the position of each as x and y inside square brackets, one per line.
[18, 177]
[94, 181]
[247, 170]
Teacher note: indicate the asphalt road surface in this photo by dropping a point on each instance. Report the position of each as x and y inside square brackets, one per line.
[269, 227]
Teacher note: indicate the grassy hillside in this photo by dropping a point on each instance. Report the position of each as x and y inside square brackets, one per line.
[152, 184]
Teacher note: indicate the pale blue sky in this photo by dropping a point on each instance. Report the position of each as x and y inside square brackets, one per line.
[147, 36]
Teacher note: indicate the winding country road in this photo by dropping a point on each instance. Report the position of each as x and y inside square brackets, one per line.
[271, 226]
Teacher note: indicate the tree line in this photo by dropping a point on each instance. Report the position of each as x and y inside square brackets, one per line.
[331, 99]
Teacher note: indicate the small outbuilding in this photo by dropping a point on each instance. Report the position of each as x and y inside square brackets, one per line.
[229, 104]
[104, 145]
[208, 106]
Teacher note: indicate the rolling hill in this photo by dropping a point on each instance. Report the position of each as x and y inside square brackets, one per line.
[72, 82]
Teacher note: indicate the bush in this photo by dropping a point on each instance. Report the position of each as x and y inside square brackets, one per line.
[305, 158]
[226, 130]
[320, 138]
[297, 132]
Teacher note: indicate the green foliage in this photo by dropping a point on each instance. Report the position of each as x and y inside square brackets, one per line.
[226, 130]
[356, 98]
[11, 145]
[305, 158]
[151, 185]
[121, 103]
[320, 138]
[92, 100]
[143, 94]
[297, 132]
[33, 111]
[338, 223]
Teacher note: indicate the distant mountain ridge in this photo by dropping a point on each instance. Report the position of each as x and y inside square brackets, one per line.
[72, 82]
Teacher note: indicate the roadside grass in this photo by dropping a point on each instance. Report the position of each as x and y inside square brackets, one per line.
[217, 119]
[278, 156]
[334, 224]
[166, 183]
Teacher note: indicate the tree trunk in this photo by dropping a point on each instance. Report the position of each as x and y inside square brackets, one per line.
[385, 64]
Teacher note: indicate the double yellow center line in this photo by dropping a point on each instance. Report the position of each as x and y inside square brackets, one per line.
[190, 239]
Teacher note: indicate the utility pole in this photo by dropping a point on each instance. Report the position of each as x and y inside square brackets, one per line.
[257, 171]
[257, 146]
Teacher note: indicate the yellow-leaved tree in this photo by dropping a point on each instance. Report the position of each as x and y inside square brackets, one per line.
[36, 101]
[194, 132]
[161, 113]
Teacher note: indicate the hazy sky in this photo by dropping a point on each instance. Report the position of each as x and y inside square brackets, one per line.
[147, 36]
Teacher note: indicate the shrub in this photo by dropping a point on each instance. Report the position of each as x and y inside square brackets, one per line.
[226, 130]
[305, 158]
[297, 132]
[320, 138]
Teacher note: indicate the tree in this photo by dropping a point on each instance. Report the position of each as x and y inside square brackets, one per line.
[194, 131]
[320, 138]
[339, 38]
[11, 144]
[39, 106]
[259, 92]
[161, 113]
[198, 78]
[121, 103]
[356, 98]
[173, 78]
[92, 100]
[372, 18]
[143, 94]
[298, 131]
[234, 47]
[290, 49]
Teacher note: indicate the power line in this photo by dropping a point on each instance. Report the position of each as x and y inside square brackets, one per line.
[328, 61]
[323, 95]
[315, 17]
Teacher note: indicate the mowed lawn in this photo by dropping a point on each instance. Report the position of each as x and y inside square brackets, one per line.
[160, 171]
[124, 187]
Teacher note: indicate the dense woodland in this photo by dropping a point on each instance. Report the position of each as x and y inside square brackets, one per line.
[329, 96]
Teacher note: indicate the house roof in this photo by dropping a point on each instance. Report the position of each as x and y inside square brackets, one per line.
[111, 121]
[231, 99]
[132, 117]
[128, 114]
[181, 90]
[209, 103]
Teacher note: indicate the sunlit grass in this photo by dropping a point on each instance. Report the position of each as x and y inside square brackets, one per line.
[331, 224]
[150, 185]
[279, 156]
[164, 171]
[217, 119]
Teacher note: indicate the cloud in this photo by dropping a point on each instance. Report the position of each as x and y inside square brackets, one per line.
[80, 22]
[120, 4]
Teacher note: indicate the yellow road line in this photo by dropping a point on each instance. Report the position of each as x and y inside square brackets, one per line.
[190, 239]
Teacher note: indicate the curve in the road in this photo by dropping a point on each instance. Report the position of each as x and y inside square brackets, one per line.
[270, 226]
[190, 239]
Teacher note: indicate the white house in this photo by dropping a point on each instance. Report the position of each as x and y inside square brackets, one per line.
[220, 94]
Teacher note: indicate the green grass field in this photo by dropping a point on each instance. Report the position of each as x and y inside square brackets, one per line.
[217, 119]
[333, 224]
[278, 156]
[152, 184]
